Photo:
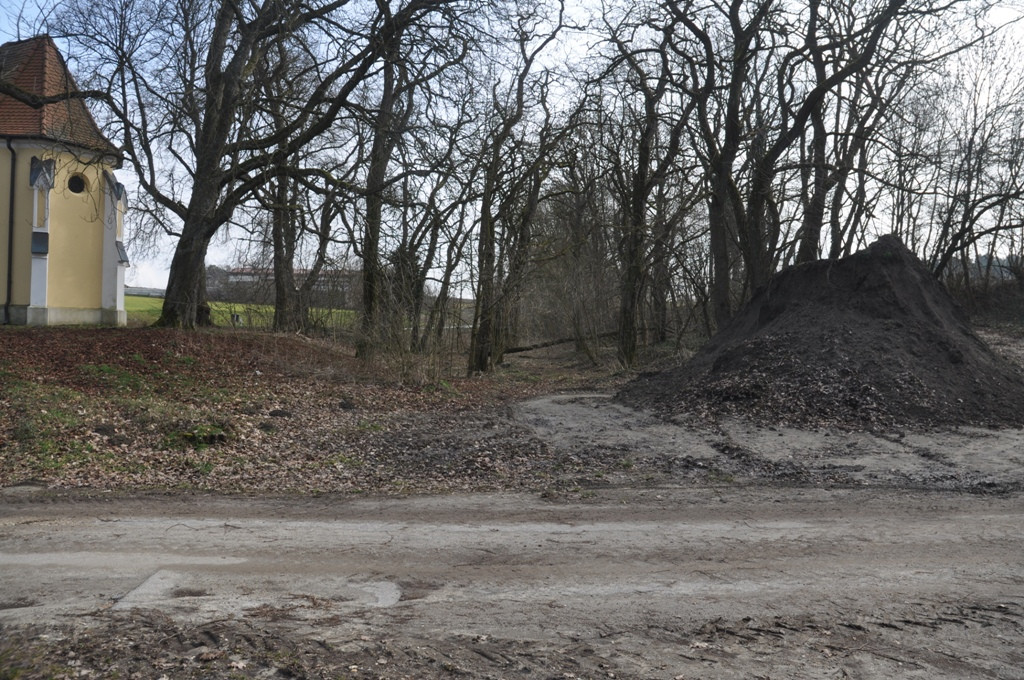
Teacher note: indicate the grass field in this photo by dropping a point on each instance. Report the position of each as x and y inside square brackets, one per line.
[144, 311]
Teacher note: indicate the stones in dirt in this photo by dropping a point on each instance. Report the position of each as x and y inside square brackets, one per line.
[869, 340]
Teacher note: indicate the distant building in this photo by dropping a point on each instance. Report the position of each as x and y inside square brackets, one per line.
[333, 288]
[62, 258]
[142, 291]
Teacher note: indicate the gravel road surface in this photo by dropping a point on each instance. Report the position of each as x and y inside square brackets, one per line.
[641, 583]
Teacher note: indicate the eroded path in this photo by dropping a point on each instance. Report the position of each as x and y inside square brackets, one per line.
[654, 583]
[635, 446]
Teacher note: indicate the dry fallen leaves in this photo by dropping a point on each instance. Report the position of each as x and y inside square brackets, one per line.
[254, 412]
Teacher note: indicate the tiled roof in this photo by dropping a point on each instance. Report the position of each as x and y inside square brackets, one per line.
[37, 67]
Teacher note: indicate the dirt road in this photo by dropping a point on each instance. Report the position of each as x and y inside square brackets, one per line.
[725, 552]
[660, 583]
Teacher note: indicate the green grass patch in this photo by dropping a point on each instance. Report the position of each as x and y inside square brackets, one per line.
[51, 457]
[182, 359]
[63, 429]
[203, 467]
[44, 409]
[10, 668]
[443, 387]
[235, 314]
[144, 311]
[196, 436]
[369, 426]
[45, 437]
[343, 460]
[115, 377]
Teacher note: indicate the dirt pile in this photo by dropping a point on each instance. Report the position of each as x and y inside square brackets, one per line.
[870, 340]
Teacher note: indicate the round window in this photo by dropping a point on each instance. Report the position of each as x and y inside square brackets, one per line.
[76, 183]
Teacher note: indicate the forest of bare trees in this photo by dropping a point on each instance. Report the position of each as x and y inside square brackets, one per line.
[519, 170]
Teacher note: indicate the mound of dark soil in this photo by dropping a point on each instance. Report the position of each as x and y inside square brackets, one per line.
[870, 340]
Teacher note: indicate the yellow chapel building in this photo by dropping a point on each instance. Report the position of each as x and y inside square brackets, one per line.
[62, 258]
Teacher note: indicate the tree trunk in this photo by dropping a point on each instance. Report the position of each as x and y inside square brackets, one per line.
[417, 335]
[631, 293]
[385, 137]
[814, 214]
[185, 304]
[634, 242]
[721, 229]
[287, 315]
[755, 246]
[482, 342]
[661, 280]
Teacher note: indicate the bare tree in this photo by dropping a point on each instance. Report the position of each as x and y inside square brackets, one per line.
[646, 145]
[414, 61]
[300, 198]
[980, 154]
[765, 76]
[178, 75]
[514, 160]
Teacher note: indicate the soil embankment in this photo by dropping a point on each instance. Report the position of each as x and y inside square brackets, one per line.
[872, 340]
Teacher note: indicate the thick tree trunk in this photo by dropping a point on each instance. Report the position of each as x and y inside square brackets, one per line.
[814, 220]
[384, 140]
[185, 304]
[436, 320]
[756, 247]
[516, 249]
[661, 280]
[417, 334]
[288, 312]
[633, 245]
[372, 273]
